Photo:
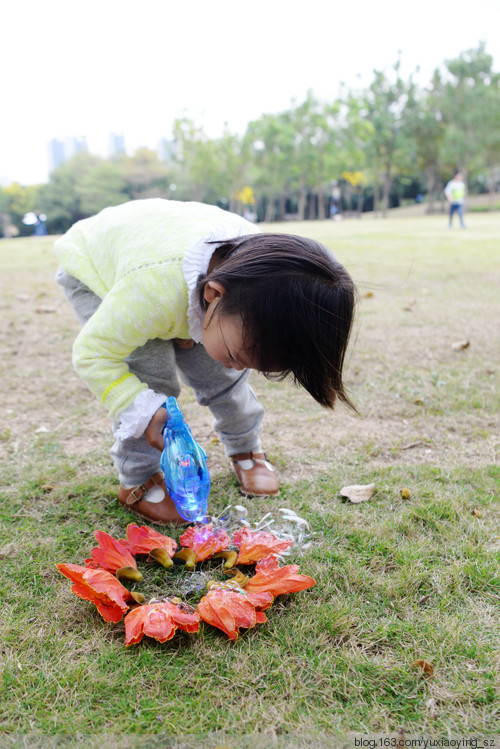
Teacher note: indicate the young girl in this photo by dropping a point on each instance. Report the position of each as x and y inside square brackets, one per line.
[165, 287]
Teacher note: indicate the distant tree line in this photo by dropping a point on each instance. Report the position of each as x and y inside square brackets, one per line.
[370, 149]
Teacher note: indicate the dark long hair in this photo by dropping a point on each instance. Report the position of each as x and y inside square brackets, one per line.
[297, 305]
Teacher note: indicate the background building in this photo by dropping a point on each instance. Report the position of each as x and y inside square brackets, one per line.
[60, 150]
[116, 144]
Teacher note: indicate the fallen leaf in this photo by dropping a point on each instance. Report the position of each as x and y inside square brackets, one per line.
[424, 598]
[368, 295]
[425, 667]
[358, 492]
[476, 512]
[460, 345]
[45, 310]
[420, 443]
[405, 493]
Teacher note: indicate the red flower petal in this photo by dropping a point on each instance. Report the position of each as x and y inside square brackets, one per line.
[99, 587]
[213, 612]
[256, 545]
[141, 540]
[111, 554]
[261, 600]
[270, 577]
[228, 610]
[158, 620]
[204, 540]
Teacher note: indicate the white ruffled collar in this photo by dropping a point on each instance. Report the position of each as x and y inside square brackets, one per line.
[195, 264]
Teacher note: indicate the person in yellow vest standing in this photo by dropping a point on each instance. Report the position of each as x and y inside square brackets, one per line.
[455, 195]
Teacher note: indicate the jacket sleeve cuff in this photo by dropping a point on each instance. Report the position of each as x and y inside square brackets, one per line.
[136, 417]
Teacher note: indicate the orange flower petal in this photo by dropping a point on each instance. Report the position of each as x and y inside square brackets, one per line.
[256, 545]
[213, 612]
[158, 623]
[158, 620]
[261, 600]
[99, 587]
[228, 610]
[111, 554]
[204, 540]
[134, 626]
[277, 580]
[186, 617]
[141, 540]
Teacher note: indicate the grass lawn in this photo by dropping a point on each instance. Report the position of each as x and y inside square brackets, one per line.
[398, 580]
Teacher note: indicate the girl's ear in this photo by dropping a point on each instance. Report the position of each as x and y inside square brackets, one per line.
[213, 290]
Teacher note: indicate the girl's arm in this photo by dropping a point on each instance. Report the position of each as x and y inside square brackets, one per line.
[141, 307]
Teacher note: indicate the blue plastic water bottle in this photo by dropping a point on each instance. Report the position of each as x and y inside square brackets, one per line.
[184, 463]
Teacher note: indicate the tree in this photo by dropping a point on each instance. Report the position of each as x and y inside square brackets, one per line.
[357, 132]
[318, 152]
[269, 143]
[145, 176]
[233, 165]
[101, 186]
[198, 173]
[15, 201]
[60, 198]
[390, 145]
[470, 111]
[427, 127]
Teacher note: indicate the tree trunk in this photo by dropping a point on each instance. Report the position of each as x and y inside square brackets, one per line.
[281, 207]
[386, 189]
[348, 198]
[301, 209]
[269, 211]
[492, 184]
[321, 205]
[442, 200]
[431, 184]
[311, 212]
[359, 207]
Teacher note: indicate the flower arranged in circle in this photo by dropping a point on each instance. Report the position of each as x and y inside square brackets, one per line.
[160, 619]
[144, 540]
[230, 605]
[228, 608]
[203, 542]
[256, 545]
[270, 577]
[99, 587]
[113, 556]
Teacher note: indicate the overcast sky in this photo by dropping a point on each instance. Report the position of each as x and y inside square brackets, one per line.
[72, 68]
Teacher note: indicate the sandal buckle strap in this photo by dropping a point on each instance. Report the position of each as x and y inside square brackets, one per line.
[138, 492]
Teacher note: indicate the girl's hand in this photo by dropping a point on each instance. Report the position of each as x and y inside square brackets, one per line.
[154, 430]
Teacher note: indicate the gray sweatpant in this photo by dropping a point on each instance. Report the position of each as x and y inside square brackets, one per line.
[238, 414]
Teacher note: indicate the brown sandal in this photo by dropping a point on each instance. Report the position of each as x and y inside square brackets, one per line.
[161, 513]
[256, 475]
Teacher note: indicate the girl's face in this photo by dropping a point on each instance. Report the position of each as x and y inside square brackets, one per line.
[223, 334]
